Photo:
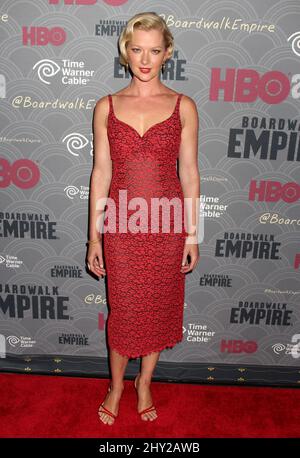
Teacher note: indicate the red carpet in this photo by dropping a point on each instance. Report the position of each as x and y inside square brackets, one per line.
[57, 406]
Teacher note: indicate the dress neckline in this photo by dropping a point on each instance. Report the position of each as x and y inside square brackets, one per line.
[151, 127]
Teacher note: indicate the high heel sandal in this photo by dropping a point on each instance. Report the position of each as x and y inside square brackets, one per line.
[105, 410]
[148, 409]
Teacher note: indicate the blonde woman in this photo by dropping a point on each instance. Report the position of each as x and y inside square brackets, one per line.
[139, 133]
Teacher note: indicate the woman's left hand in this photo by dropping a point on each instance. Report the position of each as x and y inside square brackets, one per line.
[191, 249]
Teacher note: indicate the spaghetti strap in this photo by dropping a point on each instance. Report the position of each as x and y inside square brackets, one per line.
[178, 101]
[110, 103]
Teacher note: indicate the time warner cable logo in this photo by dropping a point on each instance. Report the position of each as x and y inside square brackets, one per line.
[2, 346]
[76, 141]
[295, 42]
[73, 72]
[289, 348]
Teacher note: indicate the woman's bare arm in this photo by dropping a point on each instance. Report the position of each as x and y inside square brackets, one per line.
[102, 167]
[188, 164]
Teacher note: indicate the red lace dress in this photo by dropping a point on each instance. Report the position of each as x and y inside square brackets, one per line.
[145, 284]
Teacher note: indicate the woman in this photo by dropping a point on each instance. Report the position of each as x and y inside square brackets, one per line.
[139, 133]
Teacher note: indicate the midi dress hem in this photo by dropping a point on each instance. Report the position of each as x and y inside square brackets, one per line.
[137, 355]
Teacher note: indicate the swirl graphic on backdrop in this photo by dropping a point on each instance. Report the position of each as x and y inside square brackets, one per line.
[46, 68]
[71, 191]
[76, 141]
[295, 42]
[278, 347]
[295, 351]
[13, 340]
[2, 87]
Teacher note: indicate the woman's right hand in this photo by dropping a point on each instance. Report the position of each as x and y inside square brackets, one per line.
[95, 260]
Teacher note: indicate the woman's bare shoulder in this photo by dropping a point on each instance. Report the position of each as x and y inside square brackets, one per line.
[102, 104]
[188, 109]
[188, 101]
[101, 109]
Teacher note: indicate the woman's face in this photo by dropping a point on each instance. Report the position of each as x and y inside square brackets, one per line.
[146, 50]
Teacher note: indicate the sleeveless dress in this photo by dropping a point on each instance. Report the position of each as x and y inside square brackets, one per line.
[144, 279]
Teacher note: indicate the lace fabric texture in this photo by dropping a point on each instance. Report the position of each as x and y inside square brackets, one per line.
[145, 284]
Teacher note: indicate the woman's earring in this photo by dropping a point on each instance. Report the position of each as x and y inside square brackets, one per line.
[163, 67]
[126, 67]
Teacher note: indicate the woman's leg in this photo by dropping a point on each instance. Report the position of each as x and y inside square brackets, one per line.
[118, 365]
[143, 381]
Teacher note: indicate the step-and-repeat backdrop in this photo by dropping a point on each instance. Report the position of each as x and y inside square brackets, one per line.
[240, 62]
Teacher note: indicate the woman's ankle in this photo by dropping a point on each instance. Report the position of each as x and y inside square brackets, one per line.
[117, 386]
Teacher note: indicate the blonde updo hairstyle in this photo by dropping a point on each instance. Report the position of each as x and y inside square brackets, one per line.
[144, 21]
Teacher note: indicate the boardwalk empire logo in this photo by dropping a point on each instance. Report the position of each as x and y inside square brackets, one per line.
[243, 245]
[26, 225]
[261, 313]
[38, 302]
